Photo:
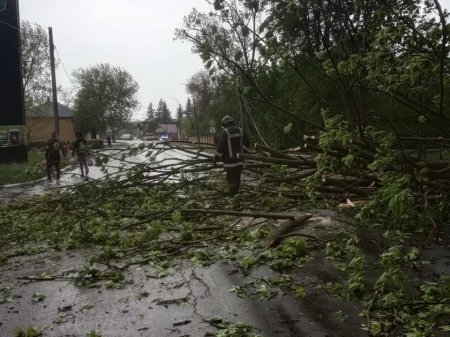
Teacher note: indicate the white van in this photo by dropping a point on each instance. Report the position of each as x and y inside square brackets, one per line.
[126, 136]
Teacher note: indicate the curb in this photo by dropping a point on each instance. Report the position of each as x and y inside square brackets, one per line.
[32, 182]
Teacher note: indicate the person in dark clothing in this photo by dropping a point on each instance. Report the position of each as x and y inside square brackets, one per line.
[108, 141]
[53, 156]
[232, 142]
[79, 148]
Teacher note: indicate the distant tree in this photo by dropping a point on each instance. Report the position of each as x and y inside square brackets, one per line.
[188, 110]
[180, 114]
[201, 87]
[88, 113]
[151, 113]
[187, 124]
[151, 119]
[106, 98]
[203, 90]
[163, 112]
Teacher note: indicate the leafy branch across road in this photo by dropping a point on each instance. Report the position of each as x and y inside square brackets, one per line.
[159, 210]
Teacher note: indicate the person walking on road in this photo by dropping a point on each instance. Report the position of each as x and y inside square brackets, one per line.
[53, 156]
[108, 141]
[232, 142]
[79, 148]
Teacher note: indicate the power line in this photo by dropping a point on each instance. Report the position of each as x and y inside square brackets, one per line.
[64, 67]
[59, 57]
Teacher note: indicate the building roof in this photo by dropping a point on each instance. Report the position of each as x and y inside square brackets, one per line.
[46, 110]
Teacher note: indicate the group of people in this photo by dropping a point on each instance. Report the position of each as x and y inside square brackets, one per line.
[54, 148]
[232, 142]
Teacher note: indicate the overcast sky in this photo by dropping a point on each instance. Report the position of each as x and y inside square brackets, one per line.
[136, 35]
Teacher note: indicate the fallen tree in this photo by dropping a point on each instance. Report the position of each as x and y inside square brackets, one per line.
[160, 210]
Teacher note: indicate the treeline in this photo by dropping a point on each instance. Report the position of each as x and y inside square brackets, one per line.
[161, 114]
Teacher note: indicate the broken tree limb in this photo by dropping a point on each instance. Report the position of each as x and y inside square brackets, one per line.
[345, 186]
[171, 301]
[236, 213]
[294, 177]
[285, 228]
[274, 153]
[288, 162]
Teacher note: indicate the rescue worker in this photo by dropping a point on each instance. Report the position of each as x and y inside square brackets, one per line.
[232, 142]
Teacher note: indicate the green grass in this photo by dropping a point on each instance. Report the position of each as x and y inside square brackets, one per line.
[23, 172]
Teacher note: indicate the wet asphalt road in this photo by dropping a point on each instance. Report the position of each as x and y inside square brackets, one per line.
[39, 290]
[71, 175]
[178, 305]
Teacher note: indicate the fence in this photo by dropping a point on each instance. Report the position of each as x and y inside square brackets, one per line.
[209, 139]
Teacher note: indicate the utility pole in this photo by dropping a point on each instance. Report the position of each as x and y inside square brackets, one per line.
[195, 121]
[55, 94]
[180, 117]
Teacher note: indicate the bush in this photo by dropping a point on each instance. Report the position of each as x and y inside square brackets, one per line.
[96, 143]
[38, 145]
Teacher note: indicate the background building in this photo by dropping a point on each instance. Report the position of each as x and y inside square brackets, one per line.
[169, 129]
[41, 123]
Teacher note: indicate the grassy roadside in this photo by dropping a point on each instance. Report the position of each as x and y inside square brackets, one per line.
[23, 172]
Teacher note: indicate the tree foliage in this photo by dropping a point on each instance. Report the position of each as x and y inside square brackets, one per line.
[35, 63]
[106, 98]
[163, 113]
[202, 90]
[37, 83]
[151, 119]
[288, 60]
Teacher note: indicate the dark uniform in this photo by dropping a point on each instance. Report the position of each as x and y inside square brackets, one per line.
[53, 157]
[232, 141]
[79, 148]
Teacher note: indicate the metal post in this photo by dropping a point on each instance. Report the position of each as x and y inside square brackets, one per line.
[55, 94]
[179, 109]
[180, 136]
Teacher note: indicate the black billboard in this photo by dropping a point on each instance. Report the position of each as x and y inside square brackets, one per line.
[11, 92]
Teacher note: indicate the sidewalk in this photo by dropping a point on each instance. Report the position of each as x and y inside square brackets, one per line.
[69, 175]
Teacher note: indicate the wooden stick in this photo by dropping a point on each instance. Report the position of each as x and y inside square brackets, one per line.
[236, 213]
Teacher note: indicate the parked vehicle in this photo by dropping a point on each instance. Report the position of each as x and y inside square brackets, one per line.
[126, 136]
[164, 138]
